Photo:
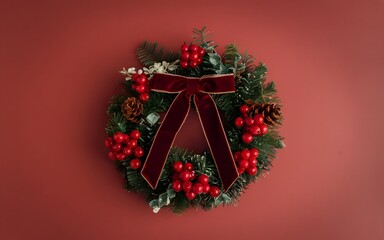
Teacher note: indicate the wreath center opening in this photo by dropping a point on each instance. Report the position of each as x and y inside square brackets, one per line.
[191, 135]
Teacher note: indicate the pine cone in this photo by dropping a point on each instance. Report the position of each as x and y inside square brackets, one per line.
[132, 109]
[270, 111]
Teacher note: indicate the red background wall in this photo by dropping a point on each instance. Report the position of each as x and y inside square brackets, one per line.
[59, 65]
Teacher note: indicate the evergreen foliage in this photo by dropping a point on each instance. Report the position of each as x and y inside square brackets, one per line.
[150, 53]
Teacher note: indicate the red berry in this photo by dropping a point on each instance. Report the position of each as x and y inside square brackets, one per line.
[259, 119]
[188, 166]
[193, 64]
[252, 161]
[193, 56]
[254, 152]
[135, 163]
[111, 156]
[185, 175]
[244, 109]
[239, 122]
[132, 143]
[249, 121]
[133, 87]
[241, 170]
[184, 56]
[193, 48]
[116, 148]
[135, 134]
[192, 175]
[140, 88]
[247, 138]
[206, 188]
[138, 152]
[118, 137]
[243, 164]
[126, 137]
[108, 142]
[126, 141]
[197, 188]
[178, 166]
[255, 130]
[120, 156]
[214, 191]
[183, 64]
[187, 186]
[237, 156]
[200, 51]
[127, 151]
[141, 79]
[144, 97]
[199, 61]
[184, 48]
[176, 186]
[251, 170]
[190, 195]
[245, 154]
[263, 128]
[203, 179]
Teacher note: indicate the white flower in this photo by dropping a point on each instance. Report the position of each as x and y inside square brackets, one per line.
[162, 67]
[132, 70]
[146, 71]
[128, 73]
[159, 67]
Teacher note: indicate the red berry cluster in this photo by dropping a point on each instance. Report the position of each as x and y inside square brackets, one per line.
[123, 145]
[252, 126]
[191, 56]
[246, 161]
[141, 86]
[183, 180]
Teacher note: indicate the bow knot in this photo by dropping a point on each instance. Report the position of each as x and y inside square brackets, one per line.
[177, 113]
[193, 86]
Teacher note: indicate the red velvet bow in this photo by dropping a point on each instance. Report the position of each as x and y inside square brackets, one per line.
[198, 89]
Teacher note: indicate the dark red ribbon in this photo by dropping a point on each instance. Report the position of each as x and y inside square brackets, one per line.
[198, 89]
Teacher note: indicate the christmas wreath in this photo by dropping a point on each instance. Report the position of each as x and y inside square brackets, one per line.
[238, 110]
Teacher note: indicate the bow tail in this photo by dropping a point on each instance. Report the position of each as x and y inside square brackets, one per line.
[163, 141]
[216, 138]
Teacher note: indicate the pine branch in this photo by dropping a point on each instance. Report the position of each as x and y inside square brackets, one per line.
[228, 104]
[233, 60]
[158, 102]
[252, 86]
[249, 62]
[116, 123]
[149, 53]
[201, 38]
[115, 104]
[231, 56]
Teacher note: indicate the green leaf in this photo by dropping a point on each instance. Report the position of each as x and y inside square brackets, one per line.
[214, 59]
[223, 199]
[152, 118]
[163, 199]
